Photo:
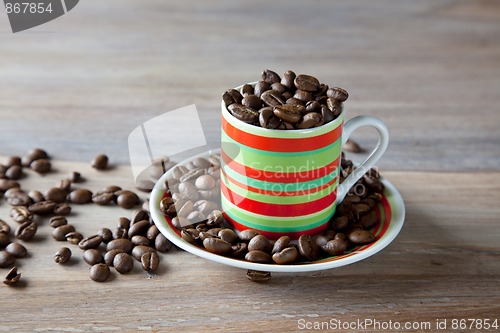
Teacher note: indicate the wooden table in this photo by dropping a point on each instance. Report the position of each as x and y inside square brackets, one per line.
[78, 85]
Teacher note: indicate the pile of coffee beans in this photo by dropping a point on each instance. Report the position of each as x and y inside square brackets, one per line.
[286, 103]
[194, 210]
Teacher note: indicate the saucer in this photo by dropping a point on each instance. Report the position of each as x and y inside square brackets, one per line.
[390, 210]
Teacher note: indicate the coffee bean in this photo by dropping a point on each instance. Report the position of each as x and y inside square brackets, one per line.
[277, 86]
[205, 182]
[337, 93]
[13, 160]
[42, 208]
[321, 92]
[106, 234]
[239, 250]
[288, 113]
[99, 272]
[4, 240]
[75, 177]
[243, 113]
[268, 119]
[36, 196]
[335, 246]
[186, 208]
[152, 232]
[258, 276]
[162, 244]
[37, 153]
[14, 172]
[260, 243]
[369, 220]
[269, 76]
[124, 223]
[60, 232]
[57, 221]
[285, 256]
[6, 259]
[247, 89]
[6, 184]
[312, 106]
[41, 165]
[288, 80]
[190, 235]
[272, 98]
[303, 96]
[110, 256]
[18, 198]
[145, 185]
[80, 196]
[100, 162]
[306, 83]
[167, 206]
[119, 233]
[307, 247]
[335, 106]
[150, 262]
[91, 242]
[327, 114]
[361, 237]
[127, 199]
[103, 198]
[139, 215]
[281, 243]
[311, 119]
[232, 96]
[215, 218]
[191, 174]
[62, 209]
[261, 87]
[92, 257]
[227, 235]
[247, 234]
[340, 223]
[16, 249]
[286, 95]
[139, 250]
[112, 189]
[138, 228]
[252, 101]
[4, 227]
[205, 207]
[258, 257]
[123, 263]
[123, 244]
[26, 231]
[64, 184]
[62, 256]
[74, 237]
[140, 240]
[56, 194]
[216, 245]
[12, 277]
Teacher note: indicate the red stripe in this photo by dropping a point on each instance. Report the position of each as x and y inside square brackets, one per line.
[279, 210]
[279, 177]
[280, 194]
[276, 235]
[281, 144]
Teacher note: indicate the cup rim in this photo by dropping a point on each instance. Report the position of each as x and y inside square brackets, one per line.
[306, 131]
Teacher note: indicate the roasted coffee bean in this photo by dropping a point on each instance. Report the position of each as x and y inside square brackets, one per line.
[258, 276]
[361, 237]
[258, 257]
[21, 214]
[112, 189]
[228, 235]
[139, 250]
[214, 232]
[260, 243]
[374, 184]
[99, 272]
[261, 87]
[303, 96]
[195, 216]
[337, 93]
[6, 184]
[288, 113]
[123, 263]
[285, 256]
[80, 196]
[57, 221]
[232, 96]
[252, 101]
[110, 256]
[239, 249]
[75, 177]
[327, 114]
[123, 244]
[139, 215]
[150, 262]
[74, 237]
[100, 162]
[335, 246]
[127, 199]
[247, 89]
[205, 182]
[140, 240]
[60, 232]
[26, 231]
[167, 206]
[14, 172]
[321, 92]
[162, 244]
[37, 153]
[247, 234]
[205, 207]
[269, 76]
[103, 198]
[56, 195]
[62, 209]
[62, 256]
[65, 185]
[42, 208]
[216, 245]
[36, 196]
[119, 233]
[91, 242]
[4, 227]
[243, 113]
[268, 119]
[4, 240]
[13, 160]
[12, 192]
[311, 119]
[335, 106]
[186, 208]
[6, 259]
[215, 218]
[138, 228]
[369, 220]
[124, 223]
[18, 198]
[41, 165]
[192, 174]
[306, 83]
[286, 95]
[312, 106]
[92, 257]
[12, 277]
[272, 98]
[145, 185]
[307, 247]
[323, 239]
[281, 243]
[106, 234]
[190, 235]
[277, 86]
[288, 80]
[152, 232]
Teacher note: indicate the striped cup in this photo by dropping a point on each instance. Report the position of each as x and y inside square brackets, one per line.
[286, 182]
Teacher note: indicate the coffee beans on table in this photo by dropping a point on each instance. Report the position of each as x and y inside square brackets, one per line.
[100, 162]
[100, 272]
[62, 256]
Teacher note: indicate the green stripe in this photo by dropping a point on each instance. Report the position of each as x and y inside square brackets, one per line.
[275, 199]
[275, 222]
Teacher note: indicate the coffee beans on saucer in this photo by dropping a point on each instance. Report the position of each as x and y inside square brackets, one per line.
[285, 103]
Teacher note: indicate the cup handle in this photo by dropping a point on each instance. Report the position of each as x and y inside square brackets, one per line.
[375, 155]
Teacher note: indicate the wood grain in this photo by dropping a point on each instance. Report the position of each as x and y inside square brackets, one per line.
[443, 265]
[430, 70]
